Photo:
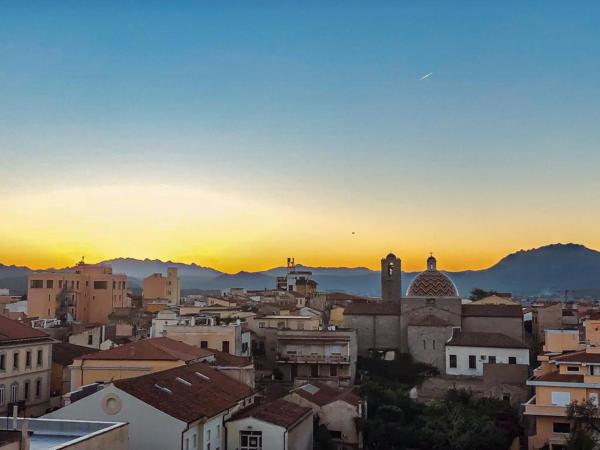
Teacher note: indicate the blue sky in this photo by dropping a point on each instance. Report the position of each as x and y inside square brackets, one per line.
[318, 106]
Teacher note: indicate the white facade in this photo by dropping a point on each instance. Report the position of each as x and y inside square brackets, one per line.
[469, 361]
[270, 436]
[149, 428]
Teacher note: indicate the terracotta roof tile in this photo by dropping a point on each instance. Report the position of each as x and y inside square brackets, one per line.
[580, 357]
[472, 339]
[560, 378]
[228, 360]
[322, 394]
[374, 308]
[160, 348]
[482, 310]
[184, 394]
[279, 412]
[64, 353]
[12, 330]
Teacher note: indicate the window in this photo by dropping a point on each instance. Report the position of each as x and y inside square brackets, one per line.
[187, 444]
[40, 357]
[26, 390]
[15, 360]
[424, 344]
[1, 394]
[203, 344]
[244, 347]
[49, 284]
[453, 361]
[472, 362]
[37, 284]
[333, 370]
[2, 361]
[433, 344]
[594, 398]
[506, 398]
[512, 359]
[14, 392]
[491, 360]
[572, 368]
[78, 285]
[38, 387]
[28, 358]
[90, 339]
[250, 440]
[301, 325]
[60, 284]
[261, 324]
[100, 285]
[225, 346]
[560, 427]
[194, 443]
[208, 435]
[561, 398]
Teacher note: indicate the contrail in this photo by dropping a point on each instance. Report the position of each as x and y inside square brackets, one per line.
[424, 77]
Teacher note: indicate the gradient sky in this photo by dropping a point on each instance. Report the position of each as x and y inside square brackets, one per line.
[235, 134]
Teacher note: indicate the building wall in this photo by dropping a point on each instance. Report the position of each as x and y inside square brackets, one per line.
[427, 345]
[149, 428]
[301, 436]
[508, 326]
[375, 331]
[213, 335]
[35, 405]
[88, 371]
[93, 302]
[90, 337]
[481, 357]
[117, 439]
[561, 340]
[341, 416]
[273, 436]
[592, 331]
[546, 317]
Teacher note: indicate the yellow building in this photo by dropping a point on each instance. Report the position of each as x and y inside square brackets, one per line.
[567, 373]
[85, 293]
[134, 359]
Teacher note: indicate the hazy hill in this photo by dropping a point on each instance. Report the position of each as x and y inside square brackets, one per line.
[546, 270]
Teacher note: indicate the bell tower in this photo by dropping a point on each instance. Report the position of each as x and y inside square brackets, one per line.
[391, 284]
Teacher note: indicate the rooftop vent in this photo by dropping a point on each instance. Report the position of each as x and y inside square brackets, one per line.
[201, 375]
[164, 389]
[182, 381]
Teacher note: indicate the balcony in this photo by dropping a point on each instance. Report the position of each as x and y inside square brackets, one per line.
[533, 409]
[293, 358]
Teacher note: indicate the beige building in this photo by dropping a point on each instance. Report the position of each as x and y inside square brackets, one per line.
[85, 293]
[134, 359]
[328, 356]
[231, 338]
[25, 367]
[158, 287]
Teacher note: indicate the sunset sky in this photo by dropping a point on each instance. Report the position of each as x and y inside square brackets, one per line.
[236, 134]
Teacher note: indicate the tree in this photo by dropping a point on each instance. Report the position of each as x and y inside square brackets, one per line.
[478, 294]
[585, 422]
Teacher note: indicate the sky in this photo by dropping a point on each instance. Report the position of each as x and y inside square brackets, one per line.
[236, 134]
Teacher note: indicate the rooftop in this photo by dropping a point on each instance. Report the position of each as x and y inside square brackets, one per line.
[429, 321]
[278, 412]
[578, 357]
[12, 331]
[52, 434]
[64, 353]
[159, 348]
[487, 310]
[187, 393]
[373, 308]
[323, 394]
[472, 339]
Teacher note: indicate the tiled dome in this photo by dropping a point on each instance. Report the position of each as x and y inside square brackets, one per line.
[431, 283]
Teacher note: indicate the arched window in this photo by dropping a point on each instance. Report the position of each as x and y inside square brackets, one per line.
[390, 269]
[1, 394]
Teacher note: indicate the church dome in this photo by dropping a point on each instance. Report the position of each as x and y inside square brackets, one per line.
[432, 283]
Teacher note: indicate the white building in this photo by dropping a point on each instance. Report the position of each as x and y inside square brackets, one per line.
[181, 408]
[277, 425]
[467, 352]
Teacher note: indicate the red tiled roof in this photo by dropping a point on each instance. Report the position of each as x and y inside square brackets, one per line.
[560, 378]
[374, 308]
[160, 348]
[184, 394]
[325, 394]
[475, 310]
[64, 353]
[472, 339]
[342, 296]
[429, 321]
[228, 360]
[12, 330]
[279, 412]
[578, 357]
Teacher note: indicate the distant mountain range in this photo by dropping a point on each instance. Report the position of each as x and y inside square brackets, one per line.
[545, 271]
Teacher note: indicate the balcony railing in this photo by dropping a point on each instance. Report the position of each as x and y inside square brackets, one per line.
[312, 359]
[533, 409]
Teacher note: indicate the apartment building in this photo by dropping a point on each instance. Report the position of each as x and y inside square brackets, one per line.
[156, 286]
[229, 338]
[328, 356]
[25, 367]
[85, 293]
